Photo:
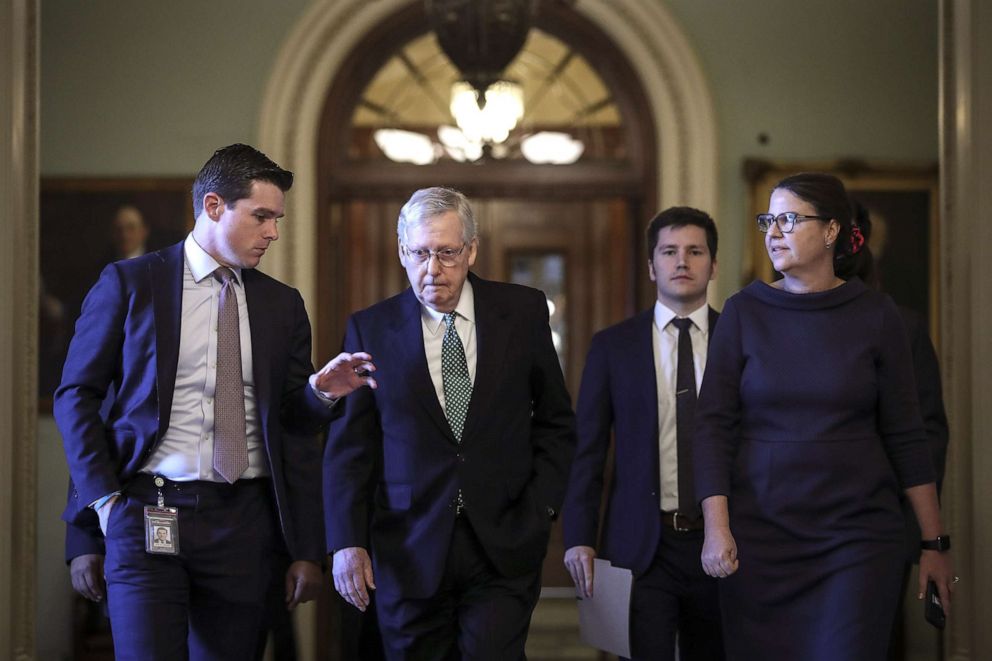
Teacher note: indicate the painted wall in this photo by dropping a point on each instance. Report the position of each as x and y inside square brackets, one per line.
[148, 88]
[822, 79]
[151, 88]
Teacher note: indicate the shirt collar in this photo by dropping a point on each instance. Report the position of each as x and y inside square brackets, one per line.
[200, 263]
[434, 320]
[663, 315]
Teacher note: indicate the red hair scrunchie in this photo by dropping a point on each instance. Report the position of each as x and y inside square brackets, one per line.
[857, 240]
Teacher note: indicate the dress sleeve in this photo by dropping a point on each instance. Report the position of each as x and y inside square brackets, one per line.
[899, 421]
[718, 410]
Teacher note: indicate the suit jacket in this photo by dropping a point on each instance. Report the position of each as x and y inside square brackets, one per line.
[619, 391]
[392, 467]
[127, 337]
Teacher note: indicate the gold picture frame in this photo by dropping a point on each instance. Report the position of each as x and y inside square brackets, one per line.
[903, 203]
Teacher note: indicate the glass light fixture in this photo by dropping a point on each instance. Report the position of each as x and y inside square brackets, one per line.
[552, 147]
[498, 115]
[457, 145]
[405, 146]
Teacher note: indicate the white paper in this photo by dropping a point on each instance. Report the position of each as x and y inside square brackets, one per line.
[604, 619]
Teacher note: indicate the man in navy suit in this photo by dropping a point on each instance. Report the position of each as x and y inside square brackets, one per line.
[630, 386]
[152, 329]
[451, 472]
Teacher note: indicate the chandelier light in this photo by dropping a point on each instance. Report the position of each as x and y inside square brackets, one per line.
[492, 120]
[481, 38]
[552, 147]
[405, 146]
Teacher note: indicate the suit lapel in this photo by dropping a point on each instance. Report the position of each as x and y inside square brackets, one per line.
[492, 333]
[260, 309]
[166, 280]
[411, 360]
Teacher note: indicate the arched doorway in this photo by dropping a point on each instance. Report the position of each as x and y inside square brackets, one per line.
[574, 230]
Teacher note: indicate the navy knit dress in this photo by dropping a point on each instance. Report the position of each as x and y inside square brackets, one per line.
[808, 421]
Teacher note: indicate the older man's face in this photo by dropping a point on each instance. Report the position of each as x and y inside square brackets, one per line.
[435, 285]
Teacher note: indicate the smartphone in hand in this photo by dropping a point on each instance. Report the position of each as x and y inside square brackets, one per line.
[933, 610]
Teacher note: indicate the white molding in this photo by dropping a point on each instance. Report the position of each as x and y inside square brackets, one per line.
[19, 77]
[289, 121]
[966, 316]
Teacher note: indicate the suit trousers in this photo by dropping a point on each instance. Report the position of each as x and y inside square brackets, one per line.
[206, 602]
[674, 599]
[475, 614]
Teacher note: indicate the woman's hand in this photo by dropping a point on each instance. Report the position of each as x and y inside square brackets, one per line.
[719, 552]
[719, 555]
[937, 566]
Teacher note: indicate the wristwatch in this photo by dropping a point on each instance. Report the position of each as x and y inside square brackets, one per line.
[942, 543]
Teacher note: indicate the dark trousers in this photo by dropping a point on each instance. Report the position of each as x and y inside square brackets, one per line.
[675, 596]
[207, 602]
[475, 613]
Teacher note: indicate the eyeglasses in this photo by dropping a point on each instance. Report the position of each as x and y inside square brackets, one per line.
[445, 256]
[786, 221]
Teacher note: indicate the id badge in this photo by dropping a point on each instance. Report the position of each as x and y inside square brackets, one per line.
[162, 530]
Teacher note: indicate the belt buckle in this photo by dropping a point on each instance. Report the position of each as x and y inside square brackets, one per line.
[675, 523]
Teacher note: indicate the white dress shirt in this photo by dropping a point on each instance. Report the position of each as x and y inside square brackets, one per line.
[186, 451]
[434, 328]
[665, 338]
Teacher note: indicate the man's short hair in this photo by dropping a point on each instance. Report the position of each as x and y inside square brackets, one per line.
[231, 171]
[680, 217]
[427, 203]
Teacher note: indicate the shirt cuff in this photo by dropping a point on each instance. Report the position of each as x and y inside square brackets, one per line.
[100, 502]
[325, 399]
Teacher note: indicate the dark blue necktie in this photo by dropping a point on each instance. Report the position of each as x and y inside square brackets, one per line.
[685, 411]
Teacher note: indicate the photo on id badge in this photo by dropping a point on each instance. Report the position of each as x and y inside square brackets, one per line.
[161, 531]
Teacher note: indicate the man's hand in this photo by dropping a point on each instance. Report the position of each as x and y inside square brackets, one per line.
[352, 570]
[302, 583]
[344, 374]
[104, 514]
[578, 561]
[87, 576]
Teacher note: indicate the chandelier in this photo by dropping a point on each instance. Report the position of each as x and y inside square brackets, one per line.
[482, 37]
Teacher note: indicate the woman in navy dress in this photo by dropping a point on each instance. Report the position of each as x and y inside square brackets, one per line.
[807, 428]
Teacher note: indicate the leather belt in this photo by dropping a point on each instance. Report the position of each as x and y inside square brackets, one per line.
[680, 522]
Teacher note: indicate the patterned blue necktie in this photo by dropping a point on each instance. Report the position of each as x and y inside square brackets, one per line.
[454, 378]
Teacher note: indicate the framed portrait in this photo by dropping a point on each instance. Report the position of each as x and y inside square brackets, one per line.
[85, 225]
[902, 203]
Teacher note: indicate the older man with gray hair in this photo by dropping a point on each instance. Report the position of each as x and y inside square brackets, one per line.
[453, 470]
